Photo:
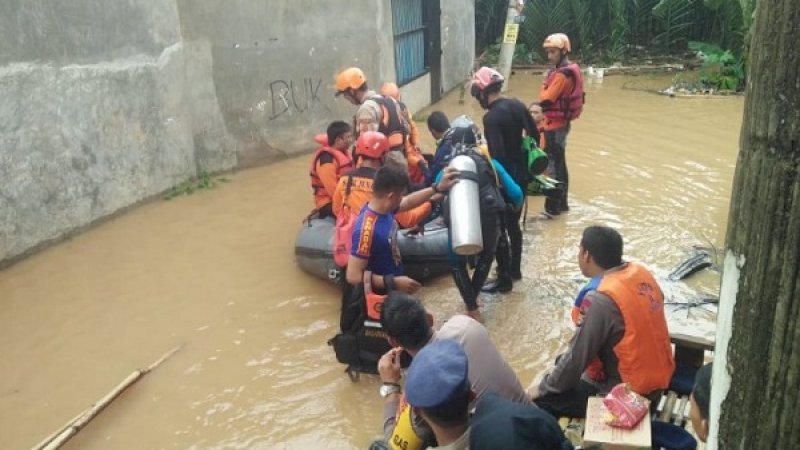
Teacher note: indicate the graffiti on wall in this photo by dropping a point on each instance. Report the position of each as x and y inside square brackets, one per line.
[295, 97]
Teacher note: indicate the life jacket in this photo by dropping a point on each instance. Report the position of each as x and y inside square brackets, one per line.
[417, 165]
[392, 124]
[595, 368]
[568, 106]
[343, 166]
[403, 435]
[491, 197]
[644, 352]
[413, 134]
[343, 229]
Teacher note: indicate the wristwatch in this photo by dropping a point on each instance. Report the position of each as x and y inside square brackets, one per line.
[388, 389]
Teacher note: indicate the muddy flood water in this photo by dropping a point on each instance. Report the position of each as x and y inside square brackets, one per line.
[215, 272]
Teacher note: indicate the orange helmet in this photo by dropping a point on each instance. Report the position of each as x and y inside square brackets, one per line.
[372, 144]
[390, 89]
[557, 40]
[351, 78]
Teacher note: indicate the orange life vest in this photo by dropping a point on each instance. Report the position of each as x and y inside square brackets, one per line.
[644, 352]
[392, 125]
[569, 106]
[343, 166]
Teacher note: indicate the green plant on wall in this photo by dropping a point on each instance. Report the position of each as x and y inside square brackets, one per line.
[203, 181]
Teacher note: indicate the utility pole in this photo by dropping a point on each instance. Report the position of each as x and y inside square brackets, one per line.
[510, 33]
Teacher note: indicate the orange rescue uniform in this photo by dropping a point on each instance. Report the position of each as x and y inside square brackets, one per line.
[560, 85]
[361, 193]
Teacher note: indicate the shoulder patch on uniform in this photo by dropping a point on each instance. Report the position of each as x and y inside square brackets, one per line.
[366, 233]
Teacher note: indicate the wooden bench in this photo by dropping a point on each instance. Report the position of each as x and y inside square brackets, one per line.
[673, 407]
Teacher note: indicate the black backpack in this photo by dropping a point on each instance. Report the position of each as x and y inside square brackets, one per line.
[362, 341]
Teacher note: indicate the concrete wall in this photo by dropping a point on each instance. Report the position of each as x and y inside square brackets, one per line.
[106, 103]
[458, 42]
[273, 65]
[93, 117]
[417, 94]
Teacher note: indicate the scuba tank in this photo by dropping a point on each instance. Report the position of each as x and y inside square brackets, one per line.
[465, 208]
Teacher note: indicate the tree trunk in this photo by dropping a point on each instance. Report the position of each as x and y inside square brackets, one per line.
[756, 379]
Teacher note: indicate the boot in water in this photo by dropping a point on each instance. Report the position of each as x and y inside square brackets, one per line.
[502, 284]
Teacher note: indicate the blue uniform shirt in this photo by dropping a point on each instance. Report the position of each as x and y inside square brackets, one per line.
[375, 239]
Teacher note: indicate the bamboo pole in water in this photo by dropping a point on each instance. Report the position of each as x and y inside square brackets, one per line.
[72, 427]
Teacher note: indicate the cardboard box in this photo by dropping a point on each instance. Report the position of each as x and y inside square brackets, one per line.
[598, 434]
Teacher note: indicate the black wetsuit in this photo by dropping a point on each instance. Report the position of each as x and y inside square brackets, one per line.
[503, 125]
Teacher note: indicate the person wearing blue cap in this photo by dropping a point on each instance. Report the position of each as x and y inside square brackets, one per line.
[409, 329]
[438, 389]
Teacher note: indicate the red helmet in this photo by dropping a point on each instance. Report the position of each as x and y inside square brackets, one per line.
[372, 144]
[485, 77]
[321, 139]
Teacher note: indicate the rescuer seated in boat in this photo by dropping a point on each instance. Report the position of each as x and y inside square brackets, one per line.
[355, 189]
[496, 189]
[624, 326]
[417, 165]
[699, 400]
[374, 241]
[375, 113]
[438, 125]
[539, 118]
[408, 327]
[328, 164]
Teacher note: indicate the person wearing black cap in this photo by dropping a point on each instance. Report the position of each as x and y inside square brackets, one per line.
[438, 389]
[701, 394]
[500, 423]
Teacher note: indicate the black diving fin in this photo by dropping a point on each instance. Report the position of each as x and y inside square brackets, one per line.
[695, 263]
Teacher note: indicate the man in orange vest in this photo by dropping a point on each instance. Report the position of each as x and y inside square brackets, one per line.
[328, 164]
[624, 327]
[375, 113]
[562, 98]
[417, 165]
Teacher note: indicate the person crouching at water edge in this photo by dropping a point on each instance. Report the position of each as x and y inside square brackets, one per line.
[329, 163]
[622, 336]
[374, 243]
[409, 329]
[700, 399]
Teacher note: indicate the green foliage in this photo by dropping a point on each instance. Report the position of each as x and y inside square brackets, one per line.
[721, 69]
[619, 29]
[522, 55]
[190, 186]
[676, 18]
[612, 30]
[490, 17]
